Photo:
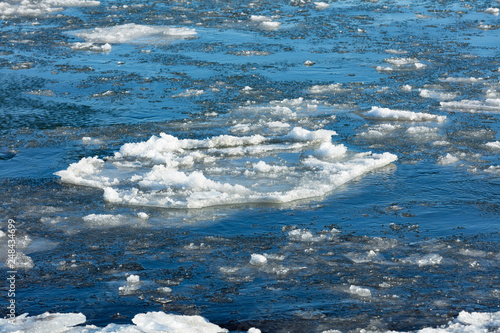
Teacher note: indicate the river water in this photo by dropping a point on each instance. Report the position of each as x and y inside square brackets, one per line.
[287, 166]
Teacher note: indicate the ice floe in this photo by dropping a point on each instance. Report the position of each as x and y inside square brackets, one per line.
[389, 114]
[134, 33]
[165, 171]
[39, 8]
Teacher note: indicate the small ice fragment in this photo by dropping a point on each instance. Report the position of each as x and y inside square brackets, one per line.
[309, 63]
[493, 145]
[164, 290]
[270, 25]
[447, 159]
[321, 5]
[494, 11]
[258, 259]
[133, 279]
[143, 215]
[360, 291]
[254, 330]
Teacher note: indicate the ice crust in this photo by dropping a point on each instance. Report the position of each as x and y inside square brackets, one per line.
[166, 171]
[134, 33]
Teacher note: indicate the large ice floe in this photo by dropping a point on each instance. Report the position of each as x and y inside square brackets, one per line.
[278, 162]
[166, 171]
[134, 33]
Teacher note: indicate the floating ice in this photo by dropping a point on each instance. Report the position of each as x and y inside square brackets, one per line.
[421, 130]
[448, 159]
[360, 291]
[134, 33]
[389, 114]
[379, 131]
[490, 104]
[270, 25]
[491, 10]
[190, 93]
[462, 79]
[437, 94]
[424, 260]
[328, 89]
[405, 63]
[321, 5]
[493, 145]
[258, 259]
[44, 323]
[91, 47]
[38, 8]
[133, 284]
[169, 172]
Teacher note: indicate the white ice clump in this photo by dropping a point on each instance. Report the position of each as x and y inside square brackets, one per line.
[258, 259]
[44, 323]
[190, 93]
[443, 96]
[328, 89]
[448, 159]
[270, 25]
[38, 8]
[303, 235]
[492, 10]
[142, 323]
[490, 104]
[379, 131]
[165, 171]
[133, 284]
[462, 79]
[321, 5]
[91, 47]
[360, 291]
[493, 145]
[405, 63]
[424, 260]
[134, 33]
[389, 114]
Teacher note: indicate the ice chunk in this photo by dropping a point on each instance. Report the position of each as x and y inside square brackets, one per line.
[448, 159]
[190, 93]
[38, 8]
[134, 33]
[493, 145]
[389, 114]
[321, 5]
[437, 94]
[301, 134]
[270, 25]
[19, 261]
[44, 323]
[360, 291]
[133, 284]
[327, 89]
[163, 322]
[492, 10]
[258, 259]
[165, 171]
[462, 79]
[424, 260]
[490, 104]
